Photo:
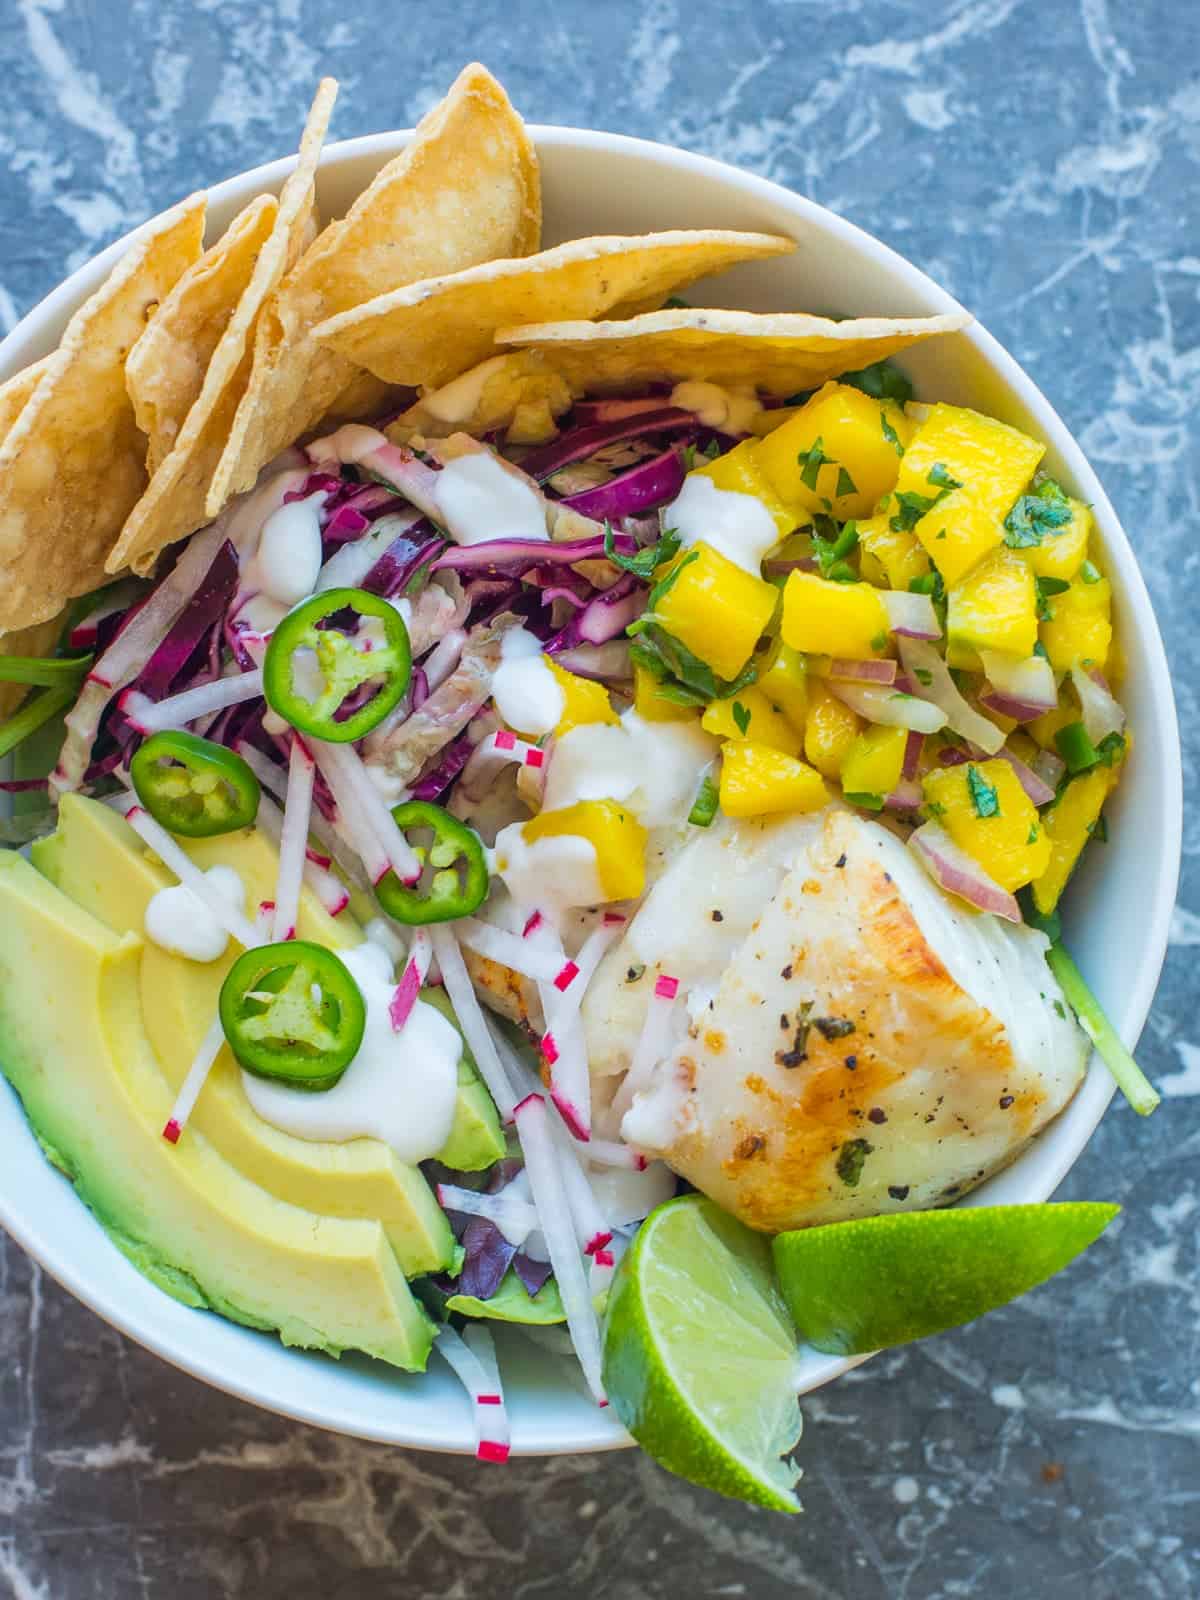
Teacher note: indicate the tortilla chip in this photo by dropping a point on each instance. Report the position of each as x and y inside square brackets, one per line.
[73, 464]
[174, 504]
[466, 189]
[779, 353]
[165, 370]
[435, 329]
[17, 390]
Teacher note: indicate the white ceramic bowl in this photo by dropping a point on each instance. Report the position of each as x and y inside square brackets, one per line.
[1118, 911]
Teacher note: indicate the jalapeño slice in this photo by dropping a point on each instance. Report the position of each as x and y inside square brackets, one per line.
[454, 874]
[293, 1013]
[192, 786]
[318, 662]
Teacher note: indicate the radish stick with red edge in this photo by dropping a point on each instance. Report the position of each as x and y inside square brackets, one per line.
[566, 1260]
[591, 1225]
[416, 969]
[293, 841]
[190, 875]
[515, 1217]
[180, 709]
[491, 1419]
[351, 823]
[495, 944]
[197, 1076]
[345, 760]
[580, 972]
[329, 890]
[652, 1045]
[461, 994]
[498, 1434]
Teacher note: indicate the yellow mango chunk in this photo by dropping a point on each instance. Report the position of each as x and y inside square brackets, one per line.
[755, 780]
[874, 762]
[995, 606]
[1045, 729]
[784, 681]
[987, 813]
[1069, 826]
[750, 715]
[829, 731]
[615, 834]
[652, 705]
[584, 700]
[836, 454]
[890, 557]
[739, 472]
[1080, 627]
[992, 464]
[833, 619]
[1063, 550]
[718, 611]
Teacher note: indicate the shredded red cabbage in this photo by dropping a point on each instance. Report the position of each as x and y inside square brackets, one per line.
[651, 483]
[576, 444]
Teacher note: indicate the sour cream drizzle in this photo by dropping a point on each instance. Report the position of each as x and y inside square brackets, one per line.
[737, 525]
[525, 691]
[288, 558]
[458, 400]
[177, 920]
[399, 1088]
[730, 410]
[480, 500]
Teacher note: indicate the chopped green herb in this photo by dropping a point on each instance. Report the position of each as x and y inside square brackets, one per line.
[929, 583]
[704, 806]
[881, 380]
[1098, 830]
[934, 808]
[868, 802]
[712, 450]
[674, 303]
[923, 676]
[642, 564]
[890, 434]
[939, 476]
[1111, 749]
[1076, 749]
[1090, 573]
[983, 794]
[940, 535]
[665, 585]
[682, 677]
[879, 643]
[1039, 649]
[1047, 588]
[851, 1158]
[1046, 511]
[741, 716]
[831, 546]
[1061, 1009]
[812, 462]
[1032, 836]
[845, 484]
[913, 507]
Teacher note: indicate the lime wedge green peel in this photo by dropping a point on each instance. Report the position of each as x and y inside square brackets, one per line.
[853, 1287]
[1131, 1080]
[700, 1354]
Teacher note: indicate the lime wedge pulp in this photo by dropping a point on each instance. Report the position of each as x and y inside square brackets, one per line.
[700, 1354]
[858, 1286]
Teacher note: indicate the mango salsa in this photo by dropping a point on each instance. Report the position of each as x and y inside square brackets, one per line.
[874, 762]
[1080, 627]
[715, 609]
[1069, 825]
[784, 681]
[739, 472]
[838, 453]
[583, 700]
[1063, 550]
[987, 813]
[756, 780]
[615, 834]
[959, 478]
[829, 731]
[890, 557]
[652, 705]
[995, 606]
[750, 715]
[834, 619]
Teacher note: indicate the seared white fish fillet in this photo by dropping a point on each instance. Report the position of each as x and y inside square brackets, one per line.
[858, 1041]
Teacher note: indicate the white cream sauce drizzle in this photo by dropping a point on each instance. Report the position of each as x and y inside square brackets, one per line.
[730, 410]
[526, 693]
[178, 920]
[479, 500]
[737, 525]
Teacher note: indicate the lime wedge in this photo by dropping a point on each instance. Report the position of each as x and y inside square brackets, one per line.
[700, 1354]
[879, 1281]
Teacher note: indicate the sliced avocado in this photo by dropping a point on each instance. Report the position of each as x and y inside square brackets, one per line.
[512, 1302]
[476, 1138]
[75, 1050]
[96, 858]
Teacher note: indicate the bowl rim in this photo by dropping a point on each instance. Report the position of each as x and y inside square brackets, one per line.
[26, 341]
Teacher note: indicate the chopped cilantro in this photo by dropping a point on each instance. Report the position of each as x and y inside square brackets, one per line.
[929, 583]
[913, 507]
[868, 802]
[1046, 589]
[812, 461]
[939, 476]
[674, 303]
[1032, 836]
[1061, 1009]
[1098, 830]
[831, 546]
[934, 808]
[923, 676]
[940, 535]
[682, 677]
[881, 380]
[851, 1158]
[642, 564]
[1111, 749]
[665, 585]
[845, 484]
[1090, 573]
[983, 794]
[890, 434]
[1039, 649]
[741, 715]
[879, 643]
[1046, 511]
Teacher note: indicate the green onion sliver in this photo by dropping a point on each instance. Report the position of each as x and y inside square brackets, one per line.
[32, 715]
[47, 672]
[1131, 1080]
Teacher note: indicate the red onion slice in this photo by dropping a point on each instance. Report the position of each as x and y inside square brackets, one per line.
[1101, 713]
[880, 672]
[952, 869]
[932, 682]
[911, 616]
[891, 708]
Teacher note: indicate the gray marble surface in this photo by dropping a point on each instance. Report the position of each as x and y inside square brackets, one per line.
[1042, 159]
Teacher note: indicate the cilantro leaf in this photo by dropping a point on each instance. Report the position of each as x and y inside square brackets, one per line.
[983, 794]
[881, 380]
[665, 585]
[741, 716]
[890, 434]
[812, 461]
[831, 546]
[845, 484]
[642, 564]
[1090, 573]
[939, 476]
[913, 507]
[681, 676]
[1045, 511]
[1046, 589]
[930, 583]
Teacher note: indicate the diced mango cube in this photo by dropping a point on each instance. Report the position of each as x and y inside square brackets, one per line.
[874, 762]
[987, 813]
[995, 606]
[1069, 825]
[990, 464]
[1046, 728]
[715, 609]
[784, 681]
[739, 472]
[652, 705]
[1063, 550]
[890, 557]
[583, 699]
[834, 619]
[1080, 627]
[615, 834]
[829, 730]
[756, 779]
[750, 715]
[838, 453]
